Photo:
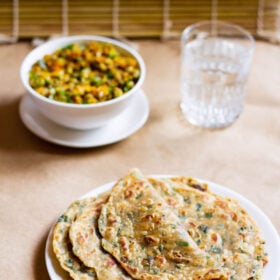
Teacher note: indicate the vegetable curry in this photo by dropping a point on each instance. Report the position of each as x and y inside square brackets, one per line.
[85, 73]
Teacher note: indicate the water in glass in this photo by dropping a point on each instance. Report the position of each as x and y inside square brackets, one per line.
[213, 77]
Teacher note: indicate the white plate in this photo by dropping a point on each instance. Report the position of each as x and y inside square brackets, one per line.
[271, 270]
[128, 122]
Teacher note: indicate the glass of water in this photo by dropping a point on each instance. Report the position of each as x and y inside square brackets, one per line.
[216, 59]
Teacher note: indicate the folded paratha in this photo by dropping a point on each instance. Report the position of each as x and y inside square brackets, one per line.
[143, 233]
[86, 242]
[219, 226]
[62, 246]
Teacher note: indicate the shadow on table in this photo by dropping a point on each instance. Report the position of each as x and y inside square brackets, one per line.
[39, 263]
[40, 270]
[15, 137]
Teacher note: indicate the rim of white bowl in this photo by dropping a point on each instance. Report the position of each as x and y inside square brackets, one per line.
[80, 38]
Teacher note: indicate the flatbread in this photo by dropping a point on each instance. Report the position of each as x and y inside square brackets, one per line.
[142, 232]
[218, 225]
[86, 242]
[62, 246]
[159, 229]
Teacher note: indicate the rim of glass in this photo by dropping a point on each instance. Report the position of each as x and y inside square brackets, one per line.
[242, 31]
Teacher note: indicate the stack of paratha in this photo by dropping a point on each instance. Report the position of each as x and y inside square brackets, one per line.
[151, 228]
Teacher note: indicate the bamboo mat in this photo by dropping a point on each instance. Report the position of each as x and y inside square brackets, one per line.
[134, 19]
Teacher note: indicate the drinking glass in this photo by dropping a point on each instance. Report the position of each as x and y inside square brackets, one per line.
[216, 59]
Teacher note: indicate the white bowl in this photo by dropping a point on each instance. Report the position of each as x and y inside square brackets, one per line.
[79, 116]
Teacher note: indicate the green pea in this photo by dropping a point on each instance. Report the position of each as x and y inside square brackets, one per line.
[113, 54]
[96, 80]
[118, 92]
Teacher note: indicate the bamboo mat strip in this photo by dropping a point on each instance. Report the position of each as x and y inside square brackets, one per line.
[138, 18]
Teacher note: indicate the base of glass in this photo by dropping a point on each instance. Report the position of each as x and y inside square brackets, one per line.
[211, 117]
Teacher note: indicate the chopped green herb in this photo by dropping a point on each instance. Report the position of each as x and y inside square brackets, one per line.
[155, 271]
[69, 263]
[209, 215]
[150, 206]
[198, 207]
[139, 195]
[242, 229]
[216, 250]
[241, 250]
[131, 262]
[182, 243]
[63, 218]
[203, 228]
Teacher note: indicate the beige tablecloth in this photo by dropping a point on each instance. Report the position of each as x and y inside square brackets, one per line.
[38, 180]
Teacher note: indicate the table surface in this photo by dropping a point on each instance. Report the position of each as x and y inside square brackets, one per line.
[38, 180]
